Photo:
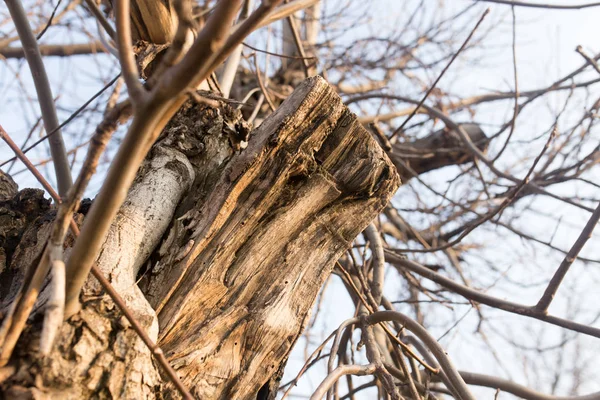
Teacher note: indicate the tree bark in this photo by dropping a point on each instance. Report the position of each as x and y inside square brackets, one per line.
[439, 149]
[231, 248]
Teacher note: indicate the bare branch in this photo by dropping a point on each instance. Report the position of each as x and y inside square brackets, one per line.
[44, 92]
[378, 263]
[137, 93]
[559, 275]
[101, 19]
[459, 386]
[542, 5]
[471, 294]
[337, 373]
[401, 127]
[56, 50]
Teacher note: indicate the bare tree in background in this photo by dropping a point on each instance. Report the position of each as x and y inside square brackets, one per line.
[265, 154]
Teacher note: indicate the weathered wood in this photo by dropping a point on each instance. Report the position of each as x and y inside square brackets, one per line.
[153, 21]
[246, 252]
[234, 297]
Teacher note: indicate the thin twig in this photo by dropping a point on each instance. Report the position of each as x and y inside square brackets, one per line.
[559, 275]
[101, 19]
[458, 384]
[486, 12]
[262, 85]
[17, 315]
[125, 108]
[542, 5]
[277, 54]
[474, 295]
[49, 23]
[588, 58]
[513, 122]
[298, 42]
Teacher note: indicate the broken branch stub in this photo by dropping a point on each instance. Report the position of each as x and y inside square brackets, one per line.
[283, 211]
[437, 150]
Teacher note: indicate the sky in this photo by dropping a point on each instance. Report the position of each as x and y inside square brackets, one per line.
[546, 42]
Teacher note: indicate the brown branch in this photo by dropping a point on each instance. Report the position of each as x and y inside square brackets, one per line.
[44, 92]
[56, 50]
[15, 320]
[588, 58]
[474, 295]
[542, 5]
[458, 385]
[454, 56]
[559, 275]
[97, 13]
[129, 70]
[209, 46]
[298, 42]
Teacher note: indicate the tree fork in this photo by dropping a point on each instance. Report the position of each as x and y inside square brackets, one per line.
[239, 267]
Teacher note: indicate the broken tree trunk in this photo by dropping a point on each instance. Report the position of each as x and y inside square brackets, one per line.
[282, 212]
[234, 277]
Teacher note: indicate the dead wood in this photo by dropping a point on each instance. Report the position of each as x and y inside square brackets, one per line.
[235, 275]
[237, 290]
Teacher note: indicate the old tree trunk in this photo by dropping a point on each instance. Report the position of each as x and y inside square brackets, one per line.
[219, 252]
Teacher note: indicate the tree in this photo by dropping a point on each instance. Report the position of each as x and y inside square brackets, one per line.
[210, 240]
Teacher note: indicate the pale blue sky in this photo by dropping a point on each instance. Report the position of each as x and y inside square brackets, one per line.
[546, 41]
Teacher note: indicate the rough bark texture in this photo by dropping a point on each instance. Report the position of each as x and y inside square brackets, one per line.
[235, 274]
[437, 150]
[241, 282]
